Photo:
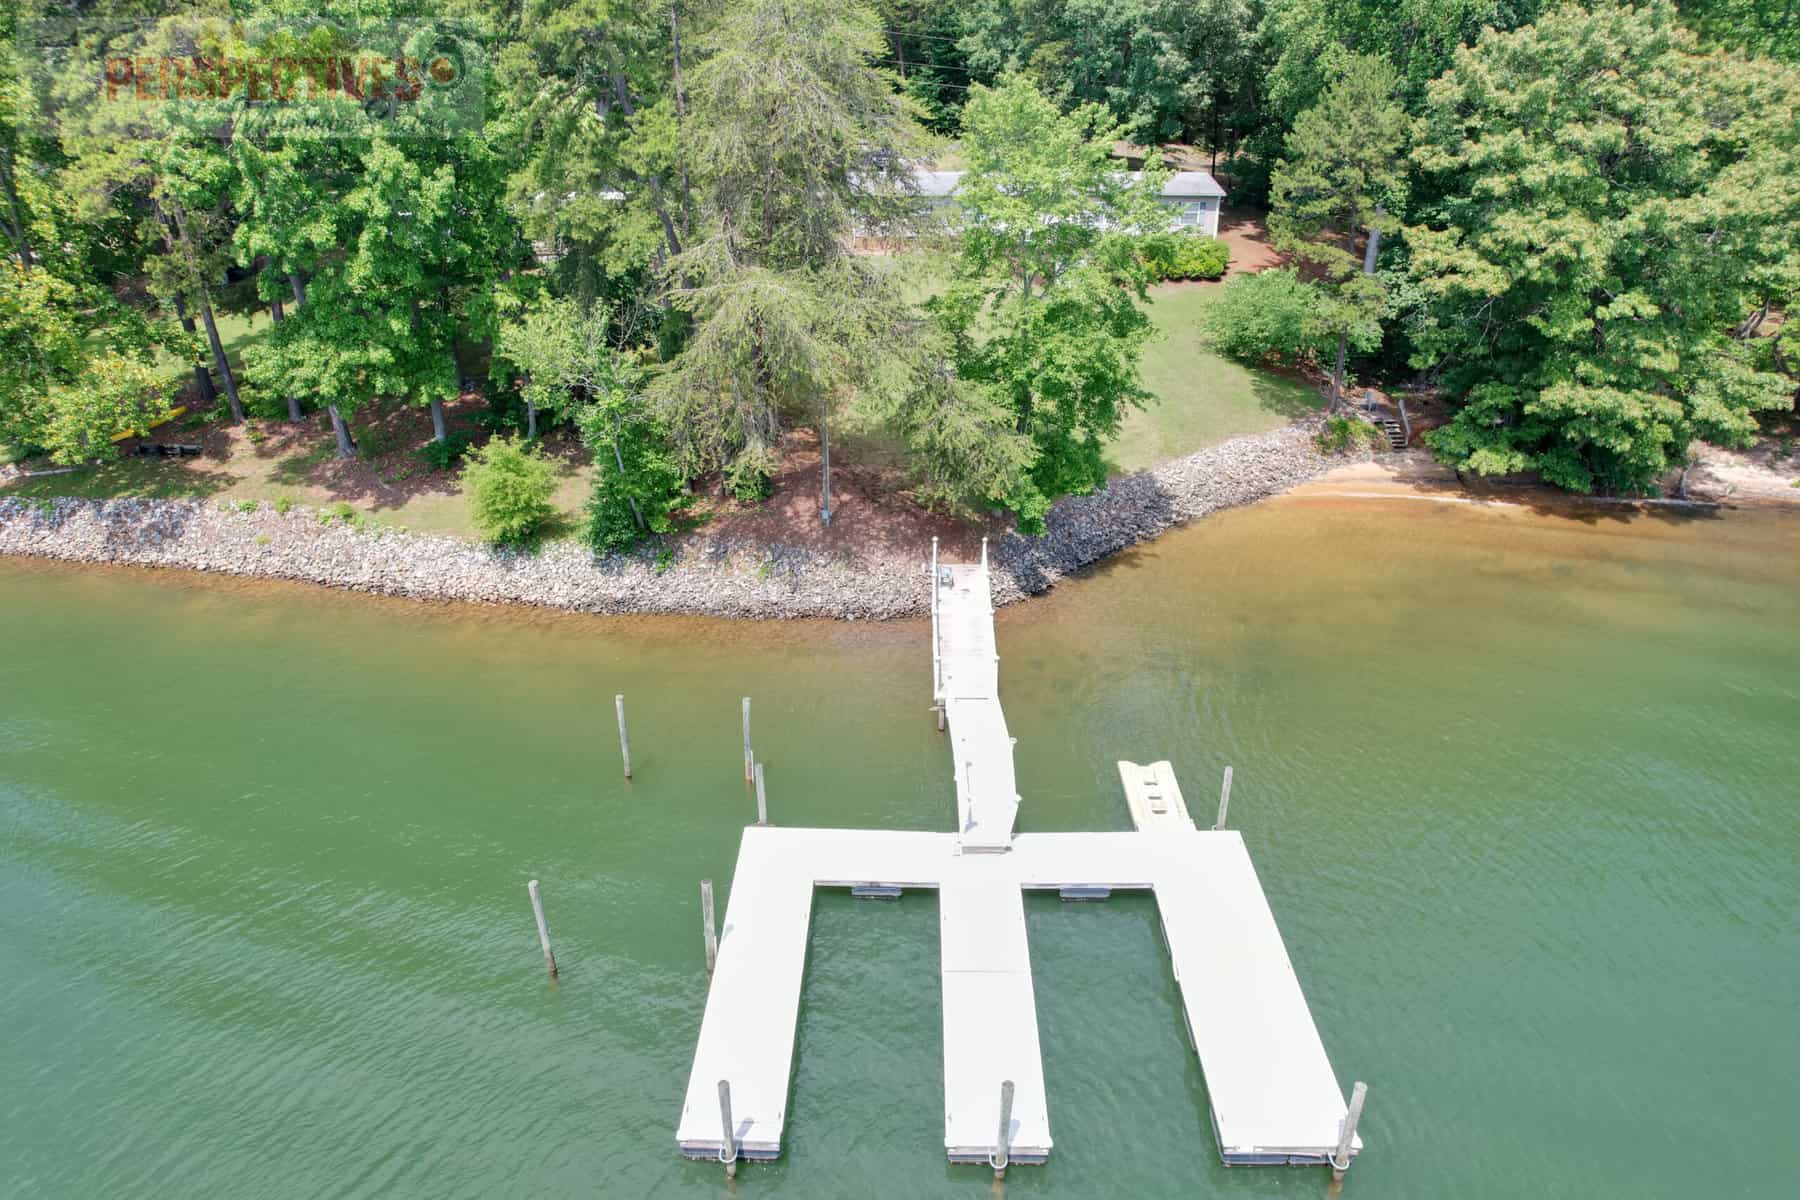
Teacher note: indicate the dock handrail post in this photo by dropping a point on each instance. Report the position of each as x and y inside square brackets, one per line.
[1224, 799]
[706, 921]
[984, 565]
[624, 739]
[749, 758]
[728, 1143]
[537, 909]
[762, 800]
[1003, 1141]
[937, 662]
[1340, 1162]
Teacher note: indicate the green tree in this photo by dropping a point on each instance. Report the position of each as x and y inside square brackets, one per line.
[509, 483]
[1615, 203]
[568, 362]
[1043, 315]
[1342, 167]
[796, 140]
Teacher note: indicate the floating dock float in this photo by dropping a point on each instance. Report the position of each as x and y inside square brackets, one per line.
[1274, 1096]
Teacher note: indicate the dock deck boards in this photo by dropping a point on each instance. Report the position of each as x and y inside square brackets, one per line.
[1273, 1093]
[987, 795]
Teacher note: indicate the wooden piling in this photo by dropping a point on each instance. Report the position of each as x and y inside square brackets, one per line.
[537, 909]
[762, 799]
[1003, 1142]
[624, 739]
[749, 758]
[1340, 1162]
[728, 1142]
[1224, 799]
[706, 921]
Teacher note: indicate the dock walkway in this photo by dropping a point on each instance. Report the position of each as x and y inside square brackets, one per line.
[1273, 1093]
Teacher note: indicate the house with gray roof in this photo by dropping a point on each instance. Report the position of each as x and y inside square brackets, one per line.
[1193, 197]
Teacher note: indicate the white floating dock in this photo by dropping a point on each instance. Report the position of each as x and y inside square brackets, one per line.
[967, 669]
[1273, 1094]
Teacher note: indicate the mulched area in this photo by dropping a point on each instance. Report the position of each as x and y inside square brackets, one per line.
[872, 515]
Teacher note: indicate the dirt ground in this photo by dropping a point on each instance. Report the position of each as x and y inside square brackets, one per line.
[872, 516]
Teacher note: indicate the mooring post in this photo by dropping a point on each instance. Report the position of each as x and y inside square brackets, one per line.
[749, 758]
[984, 554]
[762, 799]
[1003, 1142]
[1224, 799]
[1340, 1162]
[727, 1144]
[706, 920]
[537, 909]
[624, 740]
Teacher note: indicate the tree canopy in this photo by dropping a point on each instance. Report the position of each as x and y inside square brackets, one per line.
[1614, 201]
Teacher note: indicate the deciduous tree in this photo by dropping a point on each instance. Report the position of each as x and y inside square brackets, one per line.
[1615, 202]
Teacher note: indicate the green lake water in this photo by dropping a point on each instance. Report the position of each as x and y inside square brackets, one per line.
[1521, 789]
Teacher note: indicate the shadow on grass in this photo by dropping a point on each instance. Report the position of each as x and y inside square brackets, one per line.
[1287, 396]
[138, 478]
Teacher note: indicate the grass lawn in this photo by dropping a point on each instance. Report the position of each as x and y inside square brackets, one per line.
[268, 461]
[1201, 398]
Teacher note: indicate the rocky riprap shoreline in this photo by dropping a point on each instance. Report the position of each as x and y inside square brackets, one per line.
[759, 581]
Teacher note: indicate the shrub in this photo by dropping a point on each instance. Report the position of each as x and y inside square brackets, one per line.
[509, 484]
[1341, 433]
[441, 456]
[1266, 317]
[1183, 256]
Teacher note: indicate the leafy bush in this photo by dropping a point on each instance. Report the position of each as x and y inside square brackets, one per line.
[509, 483]
[644, 495]
[442, 455]
[1183, 256]
[1341, 433]
[1265, 318]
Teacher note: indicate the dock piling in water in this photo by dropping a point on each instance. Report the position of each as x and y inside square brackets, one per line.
[1003, 1141]
[762, 799]
[706, 921]
[537, 909]
[624, 741]
[1224, 799]
[1340, 1162]
[749, 758]
[728, 1132]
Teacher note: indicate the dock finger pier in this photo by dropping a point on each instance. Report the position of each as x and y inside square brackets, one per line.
[1273, 1094]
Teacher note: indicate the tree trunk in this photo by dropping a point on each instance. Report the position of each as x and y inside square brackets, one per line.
[15, 225]
[219, 360]
[212, 329]
[437, 419]
[530, 421]
[299, 286]
[1752, 324]
[680, 117]
[825, 467]
[1337, 375]
[203, 379]
[637, 514]
[345, 447]
[277, 314]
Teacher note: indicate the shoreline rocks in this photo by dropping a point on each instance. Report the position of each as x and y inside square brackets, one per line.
[756, 582]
